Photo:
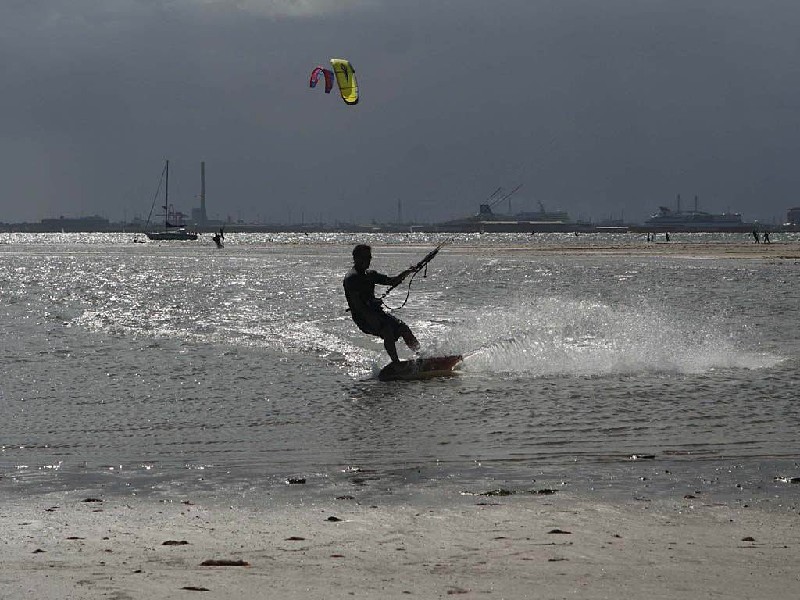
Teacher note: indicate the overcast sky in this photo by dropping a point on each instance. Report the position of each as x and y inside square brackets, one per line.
[599, 108]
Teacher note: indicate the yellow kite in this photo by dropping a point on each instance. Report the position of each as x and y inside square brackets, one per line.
[346, 79]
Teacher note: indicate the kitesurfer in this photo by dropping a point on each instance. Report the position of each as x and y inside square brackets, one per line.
[218, 237]
[367, 310]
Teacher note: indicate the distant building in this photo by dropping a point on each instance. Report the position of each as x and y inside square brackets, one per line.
[199, 216]
[793, 216]
[93, 223]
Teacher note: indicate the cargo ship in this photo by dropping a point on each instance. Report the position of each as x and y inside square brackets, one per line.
[667, 219]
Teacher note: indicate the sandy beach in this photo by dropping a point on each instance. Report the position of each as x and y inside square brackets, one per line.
[59, 547]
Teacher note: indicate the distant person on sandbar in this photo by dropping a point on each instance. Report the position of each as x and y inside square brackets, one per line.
[666, 236]
[766, 237]
[756, 239]
[367, 310]
[218, 237]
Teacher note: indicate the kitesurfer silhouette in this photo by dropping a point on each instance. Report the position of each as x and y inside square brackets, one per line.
[367, 310]
[218, 237]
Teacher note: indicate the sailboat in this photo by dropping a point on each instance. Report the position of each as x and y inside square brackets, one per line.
[175, 230]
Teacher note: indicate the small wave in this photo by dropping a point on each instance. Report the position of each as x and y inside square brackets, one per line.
[558, 336]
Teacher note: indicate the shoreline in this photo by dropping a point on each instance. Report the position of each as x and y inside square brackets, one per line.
[637, 248]
[674, 249]
[776, 250]
[61, 546]
[633, 245]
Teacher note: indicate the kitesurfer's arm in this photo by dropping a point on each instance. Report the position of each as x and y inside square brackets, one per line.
[397, 279]
[377, 278]
[380, 278]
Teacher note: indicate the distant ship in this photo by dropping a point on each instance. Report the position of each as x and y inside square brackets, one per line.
[488, 220]
[695, 220]
[82, 224]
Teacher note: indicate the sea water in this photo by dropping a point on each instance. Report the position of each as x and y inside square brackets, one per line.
[179, 370]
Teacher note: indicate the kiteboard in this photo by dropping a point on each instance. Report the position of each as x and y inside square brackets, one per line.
[420, 368]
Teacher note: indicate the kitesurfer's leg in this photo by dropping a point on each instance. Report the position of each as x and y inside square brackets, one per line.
[400, 330]
[388, 332]
[389, 344]
[393, 329]
[409, 338]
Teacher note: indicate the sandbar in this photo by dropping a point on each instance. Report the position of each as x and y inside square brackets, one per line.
[783, 251]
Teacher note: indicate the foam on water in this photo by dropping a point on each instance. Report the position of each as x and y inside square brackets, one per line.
[561, 336]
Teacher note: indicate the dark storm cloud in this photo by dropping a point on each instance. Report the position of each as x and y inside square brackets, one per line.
[599, 108]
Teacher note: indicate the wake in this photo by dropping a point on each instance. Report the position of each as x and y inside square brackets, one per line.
[557, 336]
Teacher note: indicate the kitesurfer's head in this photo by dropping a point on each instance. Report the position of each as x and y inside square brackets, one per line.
[362, 256]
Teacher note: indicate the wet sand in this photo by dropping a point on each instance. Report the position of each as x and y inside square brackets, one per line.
[556, 546]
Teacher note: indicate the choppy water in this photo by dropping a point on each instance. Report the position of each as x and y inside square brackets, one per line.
[181, 369]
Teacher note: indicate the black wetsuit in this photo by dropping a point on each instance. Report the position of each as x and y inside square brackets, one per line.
[365, 308]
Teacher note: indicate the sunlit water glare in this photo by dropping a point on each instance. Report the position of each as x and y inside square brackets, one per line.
[182, 369]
